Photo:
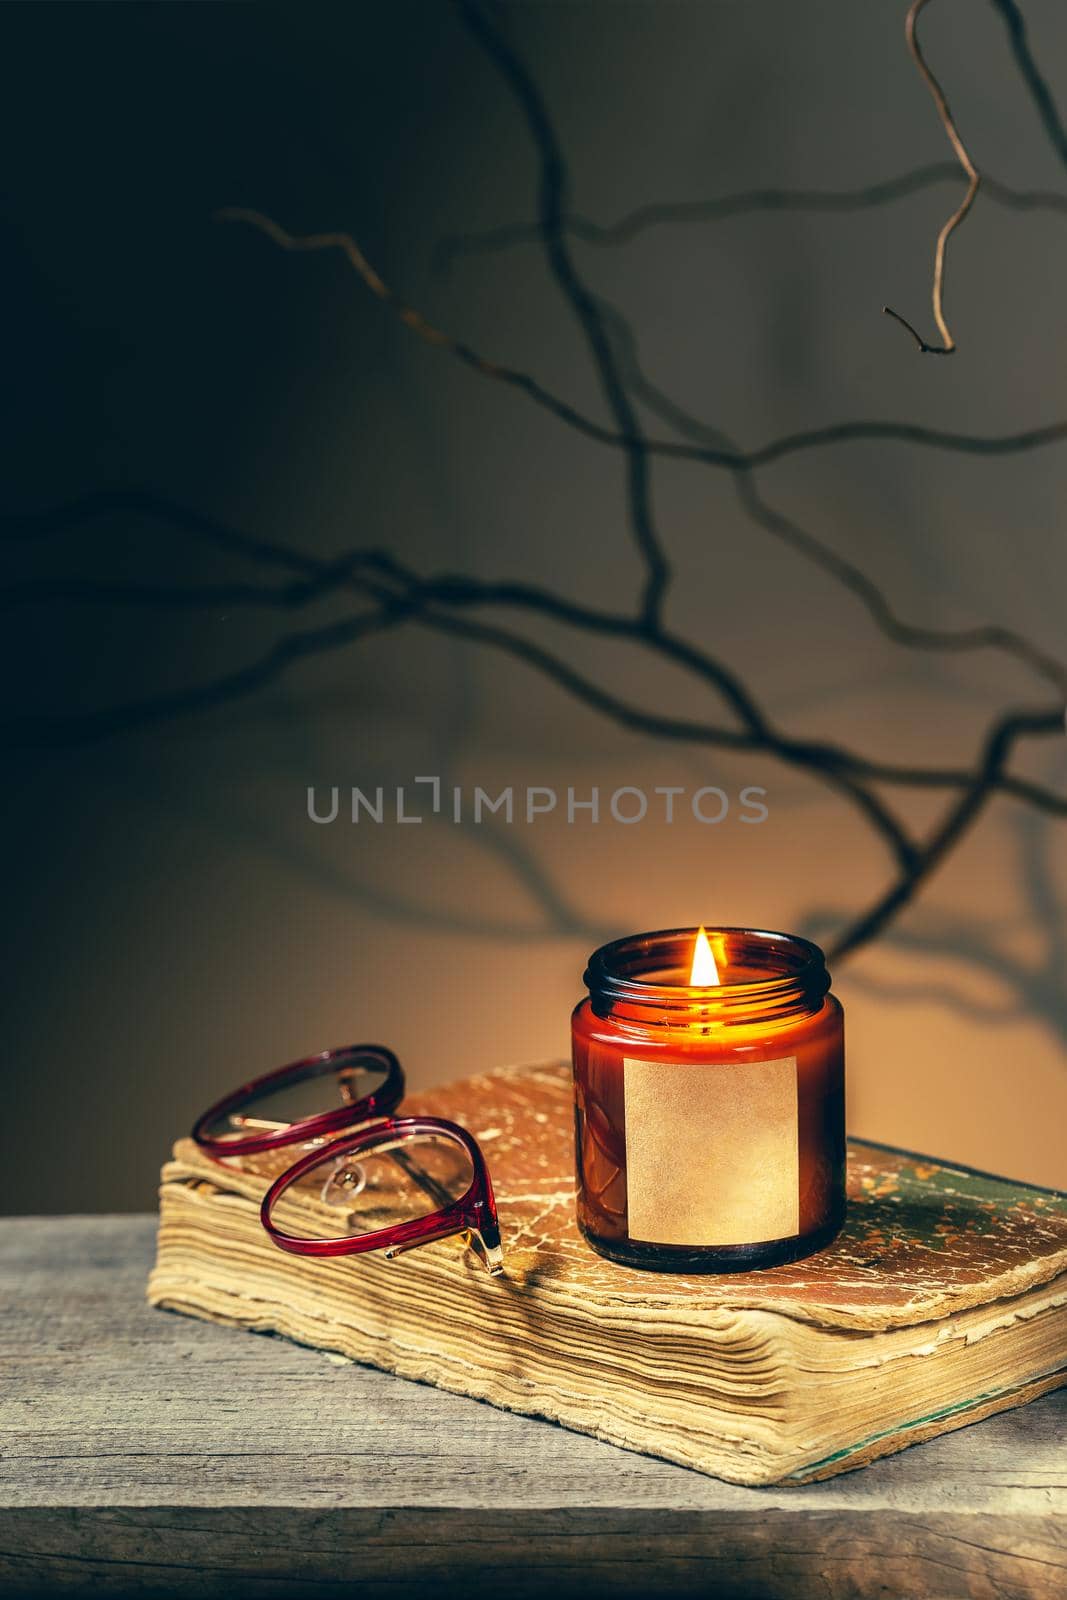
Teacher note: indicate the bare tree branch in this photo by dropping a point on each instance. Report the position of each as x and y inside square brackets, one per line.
[948, 344]
[722, 453]
[443, 603]
[752, 201]
[415, 320]
[729, 458]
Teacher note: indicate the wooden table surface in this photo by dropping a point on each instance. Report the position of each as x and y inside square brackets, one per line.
[143, 1452]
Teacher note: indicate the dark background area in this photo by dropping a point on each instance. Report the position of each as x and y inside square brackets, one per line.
[174, 923]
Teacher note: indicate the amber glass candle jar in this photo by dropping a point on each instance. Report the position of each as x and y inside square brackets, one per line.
[710, 1119]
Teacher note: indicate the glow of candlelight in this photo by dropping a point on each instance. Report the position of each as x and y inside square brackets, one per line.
[704, 972]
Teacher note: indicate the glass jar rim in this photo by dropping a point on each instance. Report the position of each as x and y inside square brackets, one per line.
[796, 971]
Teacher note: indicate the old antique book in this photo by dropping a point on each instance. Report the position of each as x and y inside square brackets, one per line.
[944, 1299]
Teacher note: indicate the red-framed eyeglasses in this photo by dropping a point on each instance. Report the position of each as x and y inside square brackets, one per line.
[367, 1180]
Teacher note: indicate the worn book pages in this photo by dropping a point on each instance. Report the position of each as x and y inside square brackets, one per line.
[944, 1299]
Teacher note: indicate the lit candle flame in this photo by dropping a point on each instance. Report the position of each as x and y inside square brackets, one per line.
[704, 972]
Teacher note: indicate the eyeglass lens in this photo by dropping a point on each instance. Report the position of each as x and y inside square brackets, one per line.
[396, 1180]
[277, 1104]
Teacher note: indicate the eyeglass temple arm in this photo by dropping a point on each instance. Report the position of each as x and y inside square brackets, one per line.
[484, 1240]
[345, 1077]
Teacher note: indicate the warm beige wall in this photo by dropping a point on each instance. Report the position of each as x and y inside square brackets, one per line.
[181, 923]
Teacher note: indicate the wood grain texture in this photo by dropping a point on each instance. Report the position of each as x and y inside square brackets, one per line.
[146, 1453]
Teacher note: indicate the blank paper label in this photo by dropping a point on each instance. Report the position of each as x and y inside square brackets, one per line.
[711, 1151]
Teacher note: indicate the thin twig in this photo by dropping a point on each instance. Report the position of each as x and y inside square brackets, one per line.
[440, 604]
[913, 864]
[628, 434]
[948, 344]
[722, 453]
[731, 459]
[418, 324]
